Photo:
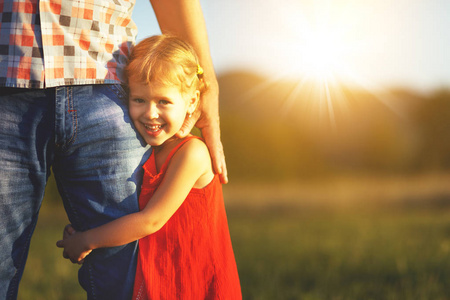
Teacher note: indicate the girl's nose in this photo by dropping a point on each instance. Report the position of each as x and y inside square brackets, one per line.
[153, 111]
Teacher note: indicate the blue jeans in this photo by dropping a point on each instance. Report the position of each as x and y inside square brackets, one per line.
[85, 135]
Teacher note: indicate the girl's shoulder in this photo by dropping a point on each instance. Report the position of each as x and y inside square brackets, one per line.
[194, 153]
[194, 149]
[190, 144]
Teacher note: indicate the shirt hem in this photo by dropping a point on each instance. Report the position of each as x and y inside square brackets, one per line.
[59, 83]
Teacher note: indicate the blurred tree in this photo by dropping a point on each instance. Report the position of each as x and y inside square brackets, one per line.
[277, 129]
[432, 118]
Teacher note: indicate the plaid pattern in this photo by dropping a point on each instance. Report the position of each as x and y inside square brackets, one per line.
[47, 43]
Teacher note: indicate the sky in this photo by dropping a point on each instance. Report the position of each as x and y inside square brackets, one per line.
[372, 43]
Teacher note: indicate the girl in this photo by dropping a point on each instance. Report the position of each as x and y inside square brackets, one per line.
[185, 249]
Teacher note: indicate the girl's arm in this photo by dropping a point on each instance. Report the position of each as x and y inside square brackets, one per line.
[185, 20]
[190, 165]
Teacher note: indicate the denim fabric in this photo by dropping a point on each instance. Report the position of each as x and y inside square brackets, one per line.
[85, 135]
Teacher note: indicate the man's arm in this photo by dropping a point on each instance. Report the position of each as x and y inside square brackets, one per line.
[184, 18]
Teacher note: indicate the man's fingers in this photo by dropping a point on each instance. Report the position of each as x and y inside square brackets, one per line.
[224, 175]
[212, 140]
[206, 118]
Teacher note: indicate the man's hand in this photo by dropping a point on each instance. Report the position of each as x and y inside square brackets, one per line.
[206, 118]
[185, 20]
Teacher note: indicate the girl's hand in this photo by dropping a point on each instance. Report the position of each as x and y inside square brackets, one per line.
[75, 247]
[68, 231]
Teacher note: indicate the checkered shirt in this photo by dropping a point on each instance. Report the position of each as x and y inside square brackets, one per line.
[48, 43]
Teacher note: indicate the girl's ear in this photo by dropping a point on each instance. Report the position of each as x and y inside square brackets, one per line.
[193, 102]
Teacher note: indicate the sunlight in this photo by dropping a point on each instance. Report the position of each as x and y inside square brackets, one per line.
[320, 39]
[320, 54]
[325, 45]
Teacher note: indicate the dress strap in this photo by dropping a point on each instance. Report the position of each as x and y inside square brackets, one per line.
[175, 149]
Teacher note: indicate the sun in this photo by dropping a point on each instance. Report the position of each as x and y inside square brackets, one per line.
[321, 49]
[321, 52]
[321, 55]
[322, 62]
[324, 50]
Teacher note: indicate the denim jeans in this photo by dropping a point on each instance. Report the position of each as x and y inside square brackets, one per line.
[85, 135]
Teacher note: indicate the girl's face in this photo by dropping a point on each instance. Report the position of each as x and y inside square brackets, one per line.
[158, 111]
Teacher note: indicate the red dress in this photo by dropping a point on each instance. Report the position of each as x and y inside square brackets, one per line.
[191, 256]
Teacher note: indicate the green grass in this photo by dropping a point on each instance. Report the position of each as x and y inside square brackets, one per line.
[47, 274]
[295, 255]
[289, 251]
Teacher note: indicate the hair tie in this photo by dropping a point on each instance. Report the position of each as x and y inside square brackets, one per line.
[199, 71]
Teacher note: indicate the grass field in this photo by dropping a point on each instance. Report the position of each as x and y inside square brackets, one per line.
[368, 238]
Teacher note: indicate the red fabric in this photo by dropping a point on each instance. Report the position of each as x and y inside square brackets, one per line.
[191, 257]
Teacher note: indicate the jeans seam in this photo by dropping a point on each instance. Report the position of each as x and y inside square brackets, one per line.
[74, 115]
[91, 281]
[67, 200]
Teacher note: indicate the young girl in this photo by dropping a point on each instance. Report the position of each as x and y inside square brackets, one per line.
[185, 249]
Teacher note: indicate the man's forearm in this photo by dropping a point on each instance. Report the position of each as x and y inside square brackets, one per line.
[185, 19]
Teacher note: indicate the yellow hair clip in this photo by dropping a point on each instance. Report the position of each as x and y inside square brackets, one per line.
[199, 70]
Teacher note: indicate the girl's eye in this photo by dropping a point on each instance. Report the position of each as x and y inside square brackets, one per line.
[164, 102]
[137, 100]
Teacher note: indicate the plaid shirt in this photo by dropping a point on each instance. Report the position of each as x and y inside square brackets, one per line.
[47, 43]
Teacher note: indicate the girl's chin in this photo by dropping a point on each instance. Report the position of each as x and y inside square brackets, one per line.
[158, 142]
[161, 142]
[155, 143]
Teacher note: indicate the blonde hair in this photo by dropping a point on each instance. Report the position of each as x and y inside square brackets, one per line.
[167, 60]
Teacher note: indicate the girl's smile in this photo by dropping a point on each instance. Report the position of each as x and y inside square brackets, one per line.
[153, 130]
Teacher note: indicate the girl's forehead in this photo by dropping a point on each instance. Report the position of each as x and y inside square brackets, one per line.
[155, 89]
[154, 84]
[134, 82]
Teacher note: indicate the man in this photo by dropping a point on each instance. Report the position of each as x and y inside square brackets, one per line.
[62, 106]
